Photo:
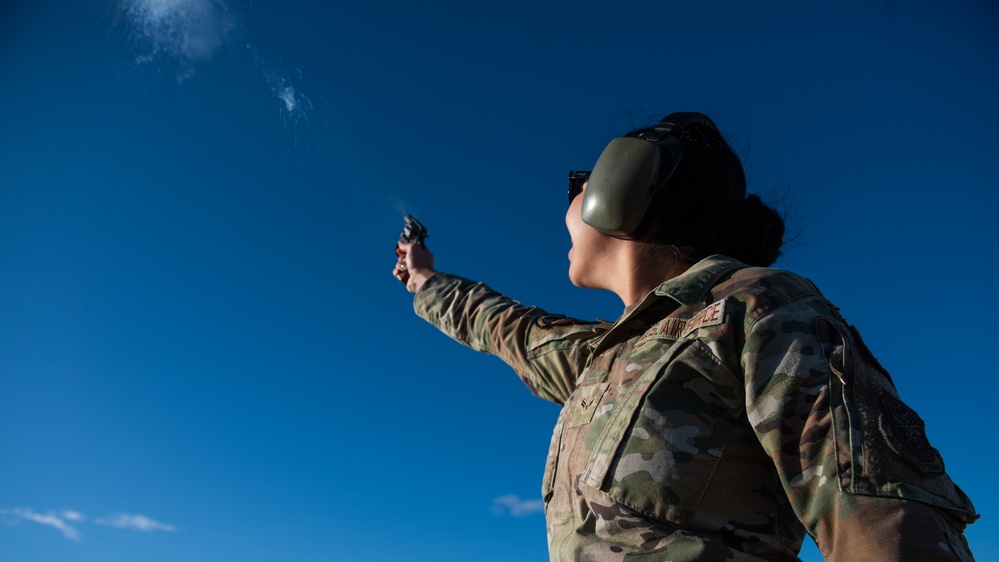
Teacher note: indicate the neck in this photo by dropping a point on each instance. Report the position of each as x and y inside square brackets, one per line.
[647, 267]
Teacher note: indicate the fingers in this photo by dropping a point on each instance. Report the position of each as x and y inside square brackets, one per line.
[414, 265]
[401, 270]
[418, 257]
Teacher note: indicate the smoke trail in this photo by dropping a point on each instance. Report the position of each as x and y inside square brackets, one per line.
[186, 34]
[293, 103]
[183, 32]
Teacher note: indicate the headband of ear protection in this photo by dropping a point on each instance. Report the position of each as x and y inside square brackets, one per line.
[632, 173]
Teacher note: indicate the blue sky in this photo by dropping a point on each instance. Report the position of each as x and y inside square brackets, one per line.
[204, 356]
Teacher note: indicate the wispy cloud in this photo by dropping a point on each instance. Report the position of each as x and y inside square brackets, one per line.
[50, 519]
[60, 521]
[513, 505]
[70, 515]
[136, 522]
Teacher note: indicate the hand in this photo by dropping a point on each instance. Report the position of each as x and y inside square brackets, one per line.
[414, 266]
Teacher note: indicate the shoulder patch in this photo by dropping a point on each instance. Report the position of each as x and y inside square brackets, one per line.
[712, 315]
[905, 433]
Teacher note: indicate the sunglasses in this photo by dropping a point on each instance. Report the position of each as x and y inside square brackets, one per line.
[576, 181]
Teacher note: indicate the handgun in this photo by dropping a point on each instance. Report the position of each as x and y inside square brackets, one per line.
[413, 232]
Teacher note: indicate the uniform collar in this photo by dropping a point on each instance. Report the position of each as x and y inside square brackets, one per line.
[690, 286]
[686, 289]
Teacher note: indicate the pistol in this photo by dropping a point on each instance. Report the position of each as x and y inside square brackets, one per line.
[413, 232]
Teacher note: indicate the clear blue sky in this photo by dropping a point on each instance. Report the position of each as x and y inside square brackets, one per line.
[203, 355]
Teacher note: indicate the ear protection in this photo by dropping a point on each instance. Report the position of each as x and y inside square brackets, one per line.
[632, 174]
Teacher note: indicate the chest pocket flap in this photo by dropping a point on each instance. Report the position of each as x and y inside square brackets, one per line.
[621, 463]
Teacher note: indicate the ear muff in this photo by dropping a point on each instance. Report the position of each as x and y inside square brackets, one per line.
[631, 174]
[623, 183]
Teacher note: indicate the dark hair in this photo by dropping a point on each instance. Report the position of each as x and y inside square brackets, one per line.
[705, 210]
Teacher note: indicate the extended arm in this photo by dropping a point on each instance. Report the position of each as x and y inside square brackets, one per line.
[547, 351]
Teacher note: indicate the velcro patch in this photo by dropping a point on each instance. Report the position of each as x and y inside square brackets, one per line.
[712, 315]
[905, 433]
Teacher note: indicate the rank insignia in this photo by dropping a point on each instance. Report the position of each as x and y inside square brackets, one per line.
[905, 433]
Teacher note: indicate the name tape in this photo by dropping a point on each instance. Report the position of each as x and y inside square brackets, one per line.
[676, 328]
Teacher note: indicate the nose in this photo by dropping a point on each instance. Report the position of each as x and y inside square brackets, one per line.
[577, 182]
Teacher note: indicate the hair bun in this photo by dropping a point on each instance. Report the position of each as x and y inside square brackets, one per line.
[753, 234]
[706, 210]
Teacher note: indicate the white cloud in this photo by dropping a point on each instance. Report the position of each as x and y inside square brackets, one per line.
[516, 507]
[49, 519]
[70, 515]
[135, 522]
[60, 521]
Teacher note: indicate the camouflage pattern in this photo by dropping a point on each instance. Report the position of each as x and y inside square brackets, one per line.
[721, 418]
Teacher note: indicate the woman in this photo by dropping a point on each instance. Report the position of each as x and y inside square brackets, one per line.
[731, 408]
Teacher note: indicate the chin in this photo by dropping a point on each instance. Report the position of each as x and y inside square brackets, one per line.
[578, 280]
[573, 277]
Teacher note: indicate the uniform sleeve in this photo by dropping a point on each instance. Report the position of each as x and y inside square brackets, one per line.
[852, 457]
[547, 351]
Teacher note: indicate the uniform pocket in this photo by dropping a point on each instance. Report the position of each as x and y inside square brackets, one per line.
[662, 443]
[881, 444]
[548, 480]
[578, 411]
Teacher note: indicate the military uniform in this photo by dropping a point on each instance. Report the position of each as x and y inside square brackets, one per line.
[718, 419]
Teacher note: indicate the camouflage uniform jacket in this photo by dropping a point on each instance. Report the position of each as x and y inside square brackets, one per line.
[718, 419]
